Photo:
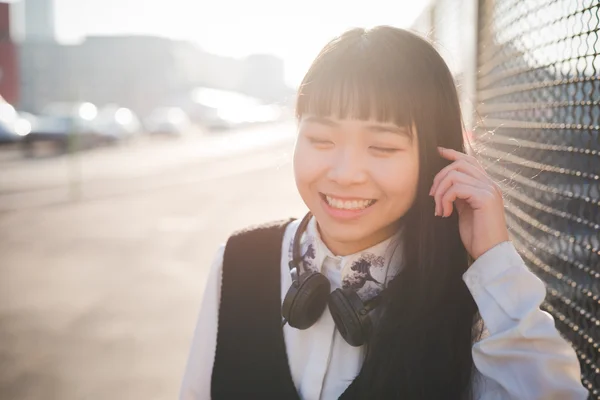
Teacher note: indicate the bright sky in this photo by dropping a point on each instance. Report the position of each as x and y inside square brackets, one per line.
[294, 31]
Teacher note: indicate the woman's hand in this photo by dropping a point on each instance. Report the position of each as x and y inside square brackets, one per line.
[464, 184]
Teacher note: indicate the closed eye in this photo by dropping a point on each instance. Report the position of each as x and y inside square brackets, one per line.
[319, 141]
[388, 150]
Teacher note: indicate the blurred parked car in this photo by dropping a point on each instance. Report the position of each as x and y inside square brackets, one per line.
[12, 126]
[25, 123]
[170, 121]
[7, 134]
[63, 128]
[118, 123]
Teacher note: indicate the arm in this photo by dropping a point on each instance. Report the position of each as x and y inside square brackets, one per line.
[524, 357]
[198, 372]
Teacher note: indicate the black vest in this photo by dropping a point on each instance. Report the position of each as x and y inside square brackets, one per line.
[251, 361]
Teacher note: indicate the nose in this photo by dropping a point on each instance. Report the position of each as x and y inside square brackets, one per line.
[347, 168]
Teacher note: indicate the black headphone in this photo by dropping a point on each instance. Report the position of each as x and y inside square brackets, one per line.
[310, 292]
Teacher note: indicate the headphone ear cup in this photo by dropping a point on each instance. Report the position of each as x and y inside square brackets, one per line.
[350, 316]
[305, 300]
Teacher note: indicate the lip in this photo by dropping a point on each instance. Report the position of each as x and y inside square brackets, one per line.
[344, 215]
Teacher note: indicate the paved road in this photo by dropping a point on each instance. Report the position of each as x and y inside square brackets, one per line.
[98, 298]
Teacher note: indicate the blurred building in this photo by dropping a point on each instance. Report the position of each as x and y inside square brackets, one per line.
[39, 20]
[263, 77]
[211, 70]
[139, 72]
[44, 71]
[9, 87]
[423, 24]
[134, 71]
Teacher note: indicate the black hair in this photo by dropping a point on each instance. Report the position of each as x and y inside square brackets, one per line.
[421, 347]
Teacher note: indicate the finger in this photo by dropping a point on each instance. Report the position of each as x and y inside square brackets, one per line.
[454, 155]
[462, 166]
[466, 162]
[452, 178]
[473, 196]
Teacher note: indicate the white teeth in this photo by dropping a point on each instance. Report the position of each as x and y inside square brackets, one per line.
[349, 205]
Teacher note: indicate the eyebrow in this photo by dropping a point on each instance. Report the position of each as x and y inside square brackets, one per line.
[375, 128]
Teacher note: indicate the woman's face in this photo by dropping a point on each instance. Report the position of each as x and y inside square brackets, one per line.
[356, 177]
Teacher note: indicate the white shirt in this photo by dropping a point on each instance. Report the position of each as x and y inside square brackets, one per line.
[522, 357]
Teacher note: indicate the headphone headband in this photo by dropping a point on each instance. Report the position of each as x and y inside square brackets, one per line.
[296, 260]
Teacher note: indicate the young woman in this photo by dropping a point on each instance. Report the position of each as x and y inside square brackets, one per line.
[402, 282]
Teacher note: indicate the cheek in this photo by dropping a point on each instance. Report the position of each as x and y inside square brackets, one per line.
[400, 186]
[308, 168]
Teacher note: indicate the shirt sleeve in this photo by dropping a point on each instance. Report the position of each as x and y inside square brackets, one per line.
[198, 372]
[523, 357]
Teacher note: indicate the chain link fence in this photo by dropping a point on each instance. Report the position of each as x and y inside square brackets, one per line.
[538, 97]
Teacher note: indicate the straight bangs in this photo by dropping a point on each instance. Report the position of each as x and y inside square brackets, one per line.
[347, 85]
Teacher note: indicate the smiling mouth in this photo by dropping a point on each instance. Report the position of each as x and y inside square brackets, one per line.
[343, 204]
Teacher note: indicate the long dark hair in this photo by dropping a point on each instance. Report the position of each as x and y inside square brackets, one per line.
[421, 348]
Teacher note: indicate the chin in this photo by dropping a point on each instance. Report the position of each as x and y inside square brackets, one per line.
[345, 234]
[352, 231]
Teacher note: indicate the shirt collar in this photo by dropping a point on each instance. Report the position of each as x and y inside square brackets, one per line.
[367, 271]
